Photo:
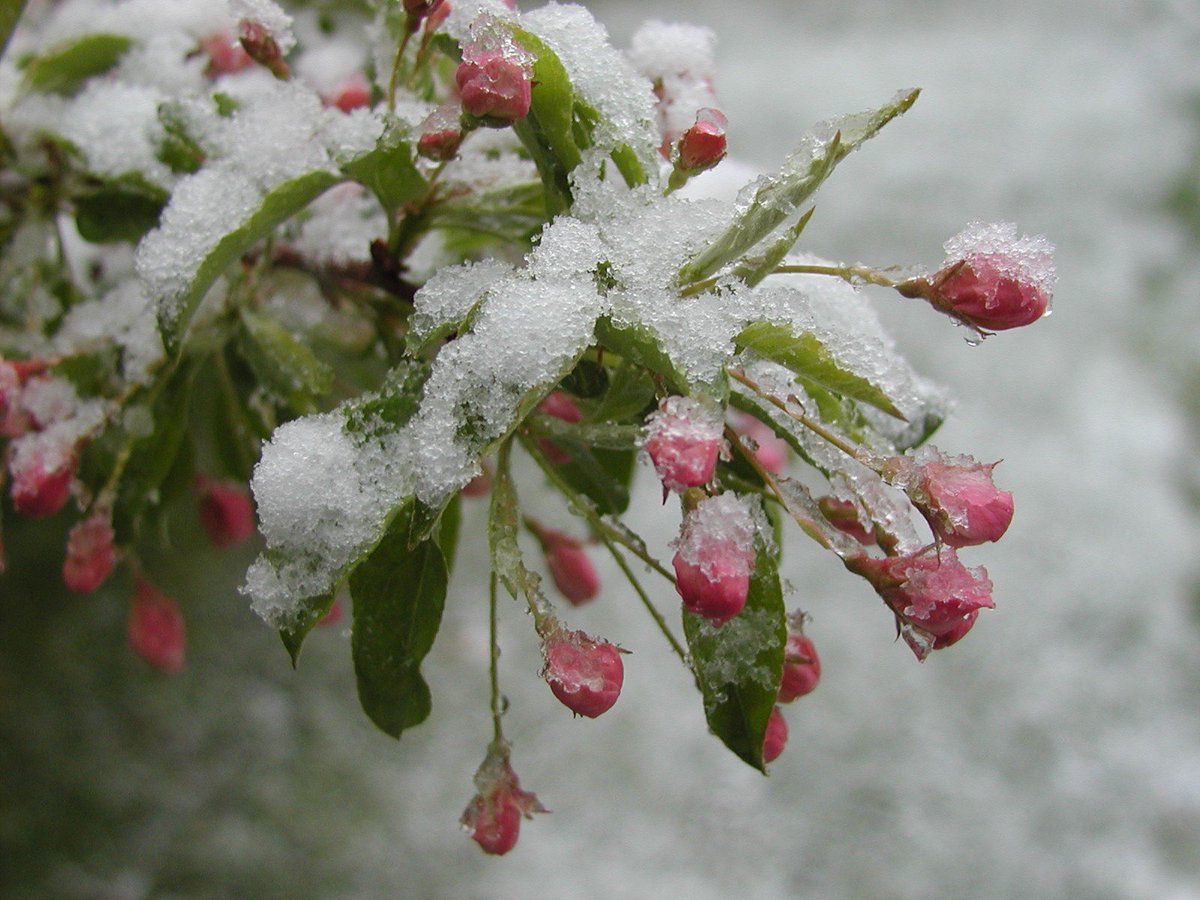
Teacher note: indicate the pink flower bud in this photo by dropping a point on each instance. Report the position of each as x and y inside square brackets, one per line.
[801, 668]
[262, 47]
[992, 280]
[441, 134]
[770, 450]
[421, 8]
[353, 93]
[332, 617]
[775, 738]
[703, 145]
[225, 54]
[156, 630]
[436, 17]
[226, 511]
[715, 558]
[683, 440]
[584, 674]
[844, 516]
[560, 405]
[572, 570]
[929, 590]
[41, 477]
[90, 554]
[493, 817]
[956, 495]
[495, 84]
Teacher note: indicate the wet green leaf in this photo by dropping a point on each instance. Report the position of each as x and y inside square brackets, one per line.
[121, 210]
[64, 68]
[285, 365]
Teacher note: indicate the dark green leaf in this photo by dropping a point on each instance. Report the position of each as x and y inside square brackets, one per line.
[10, 13]
[805, 355]
[449, 527]
[630, 392]
[390, 172]
[152, 457]
[396, 401]
[781, 195]
[285, 365]
[738, 665]
[637, 344]
[601, 475]
[309, 612]
[399, 594]
[64, 68]
[119, 210]
[280, 204]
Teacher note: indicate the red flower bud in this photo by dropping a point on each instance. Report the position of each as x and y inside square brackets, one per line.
[844, 516]
[261, 46]
[495, 84]
[90, 554]
[956, 495]
[441, 134]
[225, 54]
[353, 93]
[493, 817]
[775, 738]
[703, 145]
[683, 440]
[801, 668]
[156, 630]
[584, 674]
[770, 449]
[226, 512]
[41, 477]
[560, 405]
[572, 570]
[715, 558]
[992, 280]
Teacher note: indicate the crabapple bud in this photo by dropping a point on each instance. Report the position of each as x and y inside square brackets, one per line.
[495, 86]
[715, 557]
[956, 495]
[775, 737]
[703, 145]
[770, 450]
[572, 570]
[156, 631]
[353, 93]
[41, 478]
[90, 554]
[801, 668]
[226, 511]
[441, 134]
[683, 440]
[844, 516]
[559, 405]
[493, 817]
[262, 47]
[225, 54]
[585, 675]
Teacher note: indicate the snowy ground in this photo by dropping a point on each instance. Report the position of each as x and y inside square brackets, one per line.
[1055, 753]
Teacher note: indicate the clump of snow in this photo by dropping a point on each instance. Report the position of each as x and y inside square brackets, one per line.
[1029, 258]
[724, 521]
[125, 316]
[679, 60]
[340, 226]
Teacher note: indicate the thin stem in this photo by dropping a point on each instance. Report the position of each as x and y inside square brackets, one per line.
[855, 452]
[394, 81]
[650, 607]
[494, 667]
[852, 274]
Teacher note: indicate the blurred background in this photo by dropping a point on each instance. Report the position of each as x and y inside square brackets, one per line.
[1054, 753]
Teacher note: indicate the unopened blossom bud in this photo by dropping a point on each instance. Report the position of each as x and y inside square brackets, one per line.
[225, 53]
[332, 617]
[585, 675]
[226, 511]
[703, 145]
[929, 590]
[559, 405]
[494, 81]
[569, 565]
[715, 558]
[801, 668]
[156, 631]
[441, 134]
[683, 440]
[992, 279]
[775, 738]
[844, 516]
[353, 93]
[493, 817]
[956, 495]
[770, 450]
[42, 472]
[91, 554]
[262, 47]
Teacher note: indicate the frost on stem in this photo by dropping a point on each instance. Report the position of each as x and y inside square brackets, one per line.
[585, 674]
[715, 557]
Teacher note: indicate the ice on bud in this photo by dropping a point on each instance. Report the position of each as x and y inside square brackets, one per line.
[585, 675]
[775, 738]
[930, 591]
[683, 440]
[844, 516]
[992, 280]
[156, 631]
[703, 145]
[493, 817]
[262, 47]
[41, 473]
[441, 134]
[91, 554]
[715, 558]
[956, 495]
[495, 76]
[801, 668]
[226, 511]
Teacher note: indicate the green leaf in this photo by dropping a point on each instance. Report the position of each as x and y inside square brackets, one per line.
[805, 355]
[152, 457]
[780, 196]
[601, 475]
[120, 210]
[399, 594]
[738, 665]
[637, 344]
[396, 401]
[10, 13]
[285, 366]
[309, 612]
[754, 269]
[513, 213]
[65, 67]
[390, 172]
[277, 206]
[449, 527]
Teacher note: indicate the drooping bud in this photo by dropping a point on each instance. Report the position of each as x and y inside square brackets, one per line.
[992, 280]
[263, 47]
[956, 495]
[156, 631]
[441, 134]
[844, 516]
[801, 668]
[91, 554]
[715, 558]
[585, 675]
[683, 440]
[226, 511]
[929, 591]
[775, 738]
[493, 817]
[703, 145]
[569, 565]
[495, 77]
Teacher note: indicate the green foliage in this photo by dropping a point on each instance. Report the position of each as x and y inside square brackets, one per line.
[65, 68]
[118, 211]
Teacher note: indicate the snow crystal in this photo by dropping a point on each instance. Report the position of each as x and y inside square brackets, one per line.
[464, 14]
[125, 315]
[449, 295]
[340, 226]
[1028, 258]
[724, 521]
